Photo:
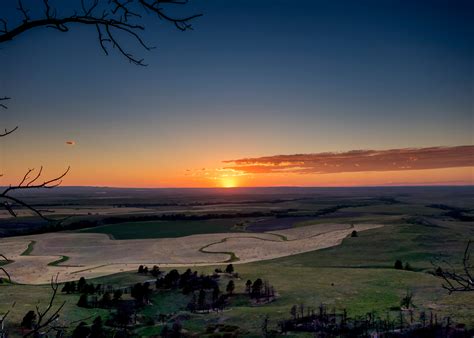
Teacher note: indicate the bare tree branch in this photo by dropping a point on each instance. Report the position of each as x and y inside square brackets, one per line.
[455, 281]
[180, 23]
[45, 317]
[5, 315]
[112, 19]
[8, 132]
[28, 182]
[107, 16]
[4, 106]
[23, 11]
[3, 98]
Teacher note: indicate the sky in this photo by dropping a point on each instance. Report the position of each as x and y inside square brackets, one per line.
[259, 93]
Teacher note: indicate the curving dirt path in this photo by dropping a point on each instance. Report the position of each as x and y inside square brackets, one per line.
[73, 255]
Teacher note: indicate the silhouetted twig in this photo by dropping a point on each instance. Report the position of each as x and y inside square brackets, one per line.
[109, 17]
[2, 105]
[455, 281]
[47, 316]
[28, 182]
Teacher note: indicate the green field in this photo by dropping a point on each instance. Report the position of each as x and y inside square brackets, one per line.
[165, 229]
[358, 275]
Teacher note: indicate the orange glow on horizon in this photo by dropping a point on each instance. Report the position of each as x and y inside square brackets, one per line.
[228, 182]
[136, 170]
[171, 179]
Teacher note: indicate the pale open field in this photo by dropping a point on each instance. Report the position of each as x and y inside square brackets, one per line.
[93, 255]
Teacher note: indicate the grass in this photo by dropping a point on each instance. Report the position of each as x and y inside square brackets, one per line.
[419, 245]
[320, 277]
[232, 256]
[358, 275]
[22, 298]
[358, 290]
[59, 261]
[364, 218]
[29, 249]
[165, 229]
[166, 302]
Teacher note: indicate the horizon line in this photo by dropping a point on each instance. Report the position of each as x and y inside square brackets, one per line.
[278, 186]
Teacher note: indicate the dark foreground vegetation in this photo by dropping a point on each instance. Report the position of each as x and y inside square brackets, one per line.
[408, 323]
[125, 304]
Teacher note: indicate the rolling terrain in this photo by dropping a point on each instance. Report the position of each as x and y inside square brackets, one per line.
[300, 242]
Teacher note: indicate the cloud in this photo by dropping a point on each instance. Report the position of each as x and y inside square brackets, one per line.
[71, 143]
[358, 161]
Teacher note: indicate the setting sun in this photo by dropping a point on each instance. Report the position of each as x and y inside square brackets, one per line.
[228, 182]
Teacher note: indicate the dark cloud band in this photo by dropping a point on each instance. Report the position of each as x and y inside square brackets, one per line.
[359, 161]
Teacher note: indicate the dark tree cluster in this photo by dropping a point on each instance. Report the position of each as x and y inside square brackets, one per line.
[141, 292]
[96, 330]
[172, 332]
[207, 300]
[188, 281]
[122, 318]
[206, 294]
[229, 270]
[399, 265]
[93, 296]
[81, 286]
[260, 290]
[154, 271]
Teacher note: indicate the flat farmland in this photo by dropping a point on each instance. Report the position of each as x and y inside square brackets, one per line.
[94, 254]
[164, 229]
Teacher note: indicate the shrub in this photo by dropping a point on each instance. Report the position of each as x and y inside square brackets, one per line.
[230, 287]
[82, 302]
[398, 265]
[28, 320]
[229, 268]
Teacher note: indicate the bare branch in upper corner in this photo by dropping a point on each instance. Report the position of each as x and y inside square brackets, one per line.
[111, 19]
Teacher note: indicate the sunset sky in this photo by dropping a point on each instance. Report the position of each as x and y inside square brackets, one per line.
[260, 93]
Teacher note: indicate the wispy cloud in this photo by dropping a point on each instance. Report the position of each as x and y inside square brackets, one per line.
[71, 143]
[358, 161]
